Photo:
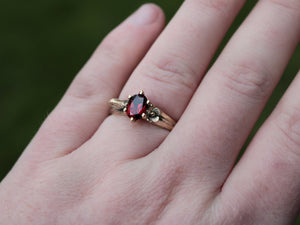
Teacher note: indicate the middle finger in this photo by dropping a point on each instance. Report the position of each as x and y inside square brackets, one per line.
[235, 90]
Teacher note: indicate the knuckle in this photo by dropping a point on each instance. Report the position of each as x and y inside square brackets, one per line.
[287, 121]
[115, 45]
[111, 46]
[93, 78]
[293, 5]
[217, 5]
[171, 71]
[274, 35]
[88, 87]
[248, 79]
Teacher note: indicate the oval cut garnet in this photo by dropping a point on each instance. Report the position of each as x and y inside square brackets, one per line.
[136, 106]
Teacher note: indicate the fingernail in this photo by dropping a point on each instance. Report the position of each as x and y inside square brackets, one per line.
[146, 14]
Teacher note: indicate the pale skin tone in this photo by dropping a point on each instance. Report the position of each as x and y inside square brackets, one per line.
[85, 166]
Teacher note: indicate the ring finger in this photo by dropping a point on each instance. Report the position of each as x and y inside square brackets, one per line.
[171, 71]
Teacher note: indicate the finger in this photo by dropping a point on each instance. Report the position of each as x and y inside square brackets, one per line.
[179, 58]
[268, 175]
[171, 70]
[84, 106]
[226, 106]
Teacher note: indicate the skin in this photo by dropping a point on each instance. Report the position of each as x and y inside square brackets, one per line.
[85, 166]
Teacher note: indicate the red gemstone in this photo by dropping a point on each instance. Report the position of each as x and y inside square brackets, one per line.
[137, 105]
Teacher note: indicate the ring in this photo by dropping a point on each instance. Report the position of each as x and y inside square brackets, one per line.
[139, 107]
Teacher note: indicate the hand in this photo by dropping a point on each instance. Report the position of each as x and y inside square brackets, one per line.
[85, 166]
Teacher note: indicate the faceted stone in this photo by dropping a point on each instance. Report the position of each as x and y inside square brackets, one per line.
[136, 106]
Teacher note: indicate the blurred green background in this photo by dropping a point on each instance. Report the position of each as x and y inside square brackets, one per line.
[43, 44]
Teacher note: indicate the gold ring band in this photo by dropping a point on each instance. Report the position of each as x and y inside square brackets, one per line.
[139, 107]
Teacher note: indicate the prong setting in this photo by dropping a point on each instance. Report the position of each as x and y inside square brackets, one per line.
[139, 107]
[144, 116]
[149, 103]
